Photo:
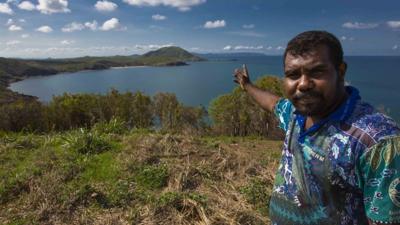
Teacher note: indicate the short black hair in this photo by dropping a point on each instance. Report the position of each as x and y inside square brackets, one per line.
[310, 40]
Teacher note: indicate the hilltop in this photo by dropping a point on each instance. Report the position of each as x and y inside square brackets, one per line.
[135, 177]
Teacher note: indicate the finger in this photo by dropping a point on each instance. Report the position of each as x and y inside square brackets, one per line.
[245, 71]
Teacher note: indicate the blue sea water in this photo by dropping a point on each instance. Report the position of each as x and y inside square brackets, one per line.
[377, 78]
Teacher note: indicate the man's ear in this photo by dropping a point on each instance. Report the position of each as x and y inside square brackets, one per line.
[342, 70]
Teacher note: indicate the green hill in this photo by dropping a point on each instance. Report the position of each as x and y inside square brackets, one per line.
[168, 56]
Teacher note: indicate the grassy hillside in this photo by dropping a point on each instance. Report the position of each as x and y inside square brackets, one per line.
[110, 175]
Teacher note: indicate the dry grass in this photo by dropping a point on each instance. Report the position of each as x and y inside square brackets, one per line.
[192, 180]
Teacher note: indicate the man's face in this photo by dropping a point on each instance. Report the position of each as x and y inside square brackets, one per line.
[312, 83]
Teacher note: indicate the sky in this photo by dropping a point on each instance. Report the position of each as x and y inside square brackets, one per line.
[72, 28]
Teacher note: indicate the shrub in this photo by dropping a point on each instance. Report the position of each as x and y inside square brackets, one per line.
[86, 142]
[236, 114]
[151, 176]
[257, 193]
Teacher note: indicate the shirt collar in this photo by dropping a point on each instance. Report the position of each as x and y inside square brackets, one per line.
[340, 114]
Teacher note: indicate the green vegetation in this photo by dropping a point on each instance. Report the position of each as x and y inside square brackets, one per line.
[127, 158]
[143, 177]
[237, 114]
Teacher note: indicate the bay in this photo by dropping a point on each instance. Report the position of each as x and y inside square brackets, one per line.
[376, 77]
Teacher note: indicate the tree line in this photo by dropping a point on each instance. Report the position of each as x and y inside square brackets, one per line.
[233, 114]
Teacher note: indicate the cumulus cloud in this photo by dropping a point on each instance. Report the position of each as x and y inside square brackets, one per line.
[280, 48]
[105, 6]
[248, 26]
[395, 47]
[112, 24]
[26, 5]
[182, 5]
[91, 25]
[74, 26]
[67, 42]
[215, 24]
[5, 8]
[22, 20]
[158, 17]
[357, 25]
[9, 22]
[14, 28]
[53, 6]
[44, 29]
[228, 48]
[393, 24]
[25, 36]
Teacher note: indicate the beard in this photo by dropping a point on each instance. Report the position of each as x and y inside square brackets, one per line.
[309, 103]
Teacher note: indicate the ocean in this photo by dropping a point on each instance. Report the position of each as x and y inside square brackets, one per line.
[376, 77]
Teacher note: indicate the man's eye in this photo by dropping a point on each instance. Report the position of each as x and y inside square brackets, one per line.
[292, 75]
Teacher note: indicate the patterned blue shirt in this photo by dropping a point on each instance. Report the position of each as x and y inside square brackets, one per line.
[342, 170]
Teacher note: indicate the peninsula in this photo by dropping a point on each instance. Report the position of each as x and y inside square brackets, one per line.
[12, 70]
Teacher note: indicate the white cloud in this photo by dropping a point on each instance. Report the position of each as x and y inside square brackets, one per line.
[53, 6]
[14, 28]
[393, 24]
[27, 5]
[112, 24]
[182, 5]
[280, 48]
[215, 24]
[105, 6]
[67, 42]
[344, 38]
[158, 17]
[9, 22]
[5, 8]
[151, 46]
[228, 48]
[25, 36]
[74, 26]
[22, 20]
[248, 26]
[44, 29]
[357, 25]
[395, 47]
[269, 48]
[242, 47]
[12, 43]
[91, 25]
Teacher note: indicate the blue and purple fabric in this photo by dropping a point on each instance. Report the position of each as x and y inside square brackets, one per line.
[343, 170]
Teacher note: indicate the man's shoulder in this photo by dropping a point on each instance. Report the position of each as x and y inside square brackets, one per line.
[372, 123]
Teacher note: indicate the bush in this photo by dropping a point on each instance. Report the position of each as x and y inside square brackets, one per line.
[236, 114]
[151, 177]
[86, 142]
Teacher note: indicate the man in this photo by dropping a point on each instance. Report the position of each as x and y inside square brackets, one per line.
[341, 158]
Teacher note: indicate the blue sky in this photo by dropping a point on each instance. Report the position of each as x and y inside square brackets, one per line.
[70, 28]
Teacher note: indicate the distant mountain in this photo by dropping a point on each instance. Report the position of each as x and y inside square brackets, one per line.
[168, 56]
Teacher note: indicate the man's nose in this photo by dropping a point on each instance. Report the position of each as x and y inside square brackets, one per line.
[305, 83]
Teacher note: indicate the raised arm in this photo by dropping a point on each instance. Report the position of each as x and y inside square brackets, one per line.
[265, 99]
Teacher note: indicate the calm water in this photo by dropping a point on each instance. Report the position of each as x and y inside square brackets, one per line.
[377, 78]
